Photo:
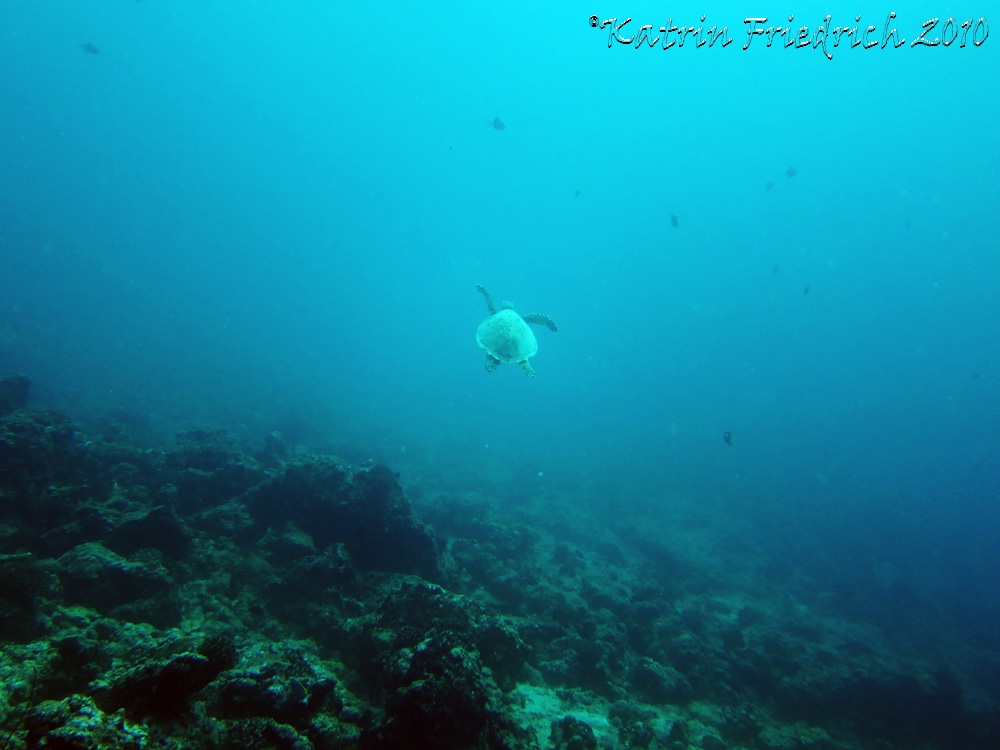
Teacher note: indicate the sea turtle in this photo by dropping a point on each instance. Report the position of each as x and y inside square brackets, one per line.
[506, 337]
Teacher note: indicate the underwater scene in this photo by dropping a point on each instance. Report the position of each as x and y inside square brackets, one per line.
[499, 376]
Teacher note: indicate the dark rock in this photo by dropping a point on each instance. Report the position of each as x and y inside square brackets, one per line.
[570, 733]
[280, 684]
[13, 393]
[76, 723]
[659, 684]
[197, 489]
[204, 450]
[156, 528]
[163, 689]
[309, 591]
[636, 735]
[362, 508]
[438, 693]
[79, 660]
[732, 639]
[287, 544]
[24, 580]
[748, 616]
[275, 450]
[87, 522]
[263, 734]
[241, 696]
[569, 559]
[220, 650]
[465, 518]
[590, 653]
[687, 653]
[44, 475]
[229, 520]
[207, 469]
[898, 707]
[411, 610]
[742, 727]
[503, 650]
[96, 577]
[678, 732]
[267, 694]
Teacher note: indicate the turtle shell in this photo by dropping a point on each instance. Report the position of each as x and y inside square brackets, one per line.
[507, 337]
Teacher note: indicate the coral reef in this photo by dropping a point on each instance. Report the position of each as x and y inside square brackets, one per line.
[203, 596]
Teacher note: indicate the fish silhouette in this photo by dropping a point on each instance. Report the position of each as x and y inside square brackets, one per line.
[498, 123]
[90, 49]
[673, 221]
[791, 172]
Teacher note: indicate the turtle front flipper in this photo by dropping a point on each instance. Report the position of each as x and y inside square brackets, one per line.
[540, 319]
[489, 301]
[526, 366]
[492, 363]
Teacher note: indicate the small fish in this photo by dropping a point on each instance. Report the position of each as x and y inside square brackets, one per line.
[791, 172]
[776, 267]
[673, 221]
[806, 290]
[769, 185]
[498, 124]
[728, 437]
[90, 49]
[577, 193]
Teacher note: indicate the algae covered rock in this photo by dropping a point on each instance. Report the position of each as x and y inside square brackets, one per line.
[76, 723]
[96, 577]
[361, 509]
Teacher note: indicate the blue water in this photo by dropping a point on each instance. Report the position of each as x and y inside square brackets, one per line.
[261, 215]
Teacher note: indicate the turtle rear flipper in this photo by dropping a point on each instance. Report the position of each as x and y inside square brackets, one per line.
[489, 299]
[492, 362]
[540, 319]
[526, 366]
